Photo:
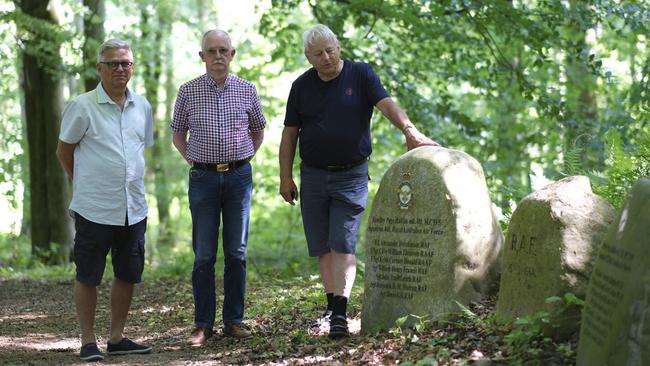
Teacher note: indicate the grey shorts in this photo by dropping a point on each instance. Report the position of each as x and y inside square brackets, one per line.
[332, 205]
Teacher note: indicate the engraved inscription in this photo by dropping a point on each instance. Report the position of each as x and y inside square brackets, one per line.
[521, 244]
[400, 263]
[605, 291]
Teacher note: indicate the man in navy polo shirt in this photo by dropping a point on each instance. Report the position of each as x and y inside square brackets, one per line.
[328, 114]
[223, 115]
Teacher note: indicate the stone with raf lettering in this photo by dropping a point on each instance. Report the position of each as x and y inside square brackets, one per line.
[615, 327]
[432, 239]
[550, 246]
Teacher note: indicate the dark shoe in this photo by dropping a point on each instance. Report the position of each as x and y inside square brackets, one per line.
[238, 331]
[339, 327]
[126, 347]
[199, 336]
[90, 352]
[322, 324]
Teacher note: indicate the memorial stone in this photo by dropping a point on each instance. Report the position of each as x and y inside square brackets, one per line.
[615, 327]
[550, 247]
[432, 238]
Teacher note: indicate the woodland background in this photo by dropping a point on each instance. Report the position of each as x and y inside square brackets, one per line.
[535, 90]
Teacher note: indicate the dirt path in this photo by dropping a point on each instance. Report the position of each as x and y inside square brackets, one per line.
[38, 327]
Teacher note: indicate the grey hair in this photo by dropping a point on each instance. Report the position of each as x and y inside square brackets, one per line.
[317, 33]
[112, 44]
[217, 31]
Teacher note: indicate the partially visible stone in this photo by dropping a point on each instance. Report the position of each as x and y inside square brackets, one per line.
[615, 326]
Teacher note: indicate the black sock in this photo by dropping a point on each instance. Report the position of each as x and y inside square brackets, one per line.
[340, 306]
[330, 301]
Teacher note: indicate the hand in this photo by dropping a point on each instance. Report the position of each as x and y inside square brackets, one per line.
[288, 190]
[415, 138]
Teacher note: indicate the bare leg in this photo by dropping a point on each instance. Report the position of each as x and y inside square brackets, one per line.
[325, 266]
[121, 295]
[85, 300]
[343, 273]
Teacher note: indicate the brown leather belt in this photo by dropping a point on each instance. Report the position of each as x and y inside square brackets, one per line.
[220, 167]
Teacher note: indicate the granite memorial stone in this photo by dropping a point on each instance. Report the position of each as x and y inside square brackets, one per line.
[550, 247]
[432, 238]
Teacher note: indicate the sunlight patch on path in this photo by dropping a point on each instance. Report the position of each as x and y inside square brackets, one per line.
[354, 325]
[307, 360]
[40, 342]
[14, 317]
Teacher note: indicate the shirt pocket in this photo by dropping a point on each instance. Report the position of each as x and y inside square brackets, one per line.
[136, 126]
[237, 118]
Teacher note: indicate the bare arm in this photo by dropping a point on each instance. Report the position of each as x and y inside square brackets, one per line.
[179, 139]
[399, 119]
[257, 137]
[288, 188]
[65, 154]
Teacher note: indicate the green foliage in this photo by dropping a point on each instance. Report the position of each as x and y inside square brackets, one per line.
[16, 261]
[55, 45]
[14, 253]
[518, 343]
[527, 338]
[626, 164]
[12, 154]
[417, 323]
[529, 333]
[490, 78]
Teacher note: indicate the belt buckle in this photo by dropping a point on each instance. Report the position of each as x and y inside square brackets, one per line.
[221, 168]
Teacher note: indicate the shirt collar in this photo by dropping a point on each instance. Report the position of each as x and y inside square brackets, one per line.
[103, 97]
[213, 83]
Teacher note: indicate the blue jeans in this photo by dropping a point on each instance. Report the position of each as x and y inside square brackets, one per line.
[213, 196]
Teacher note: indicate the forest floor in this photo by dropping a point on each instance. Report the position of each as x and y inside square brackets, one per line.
[38, 327]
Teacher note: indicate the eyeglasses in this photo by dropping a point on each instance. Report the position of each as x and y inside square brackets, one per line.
[114, 64]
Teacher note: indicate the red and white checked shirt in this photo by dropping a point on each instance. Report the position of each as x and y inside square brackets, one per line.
[218, 121]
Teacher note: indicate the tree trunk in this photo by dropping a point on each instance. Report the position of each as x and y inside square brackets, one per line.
[49, 187]
[93, 38]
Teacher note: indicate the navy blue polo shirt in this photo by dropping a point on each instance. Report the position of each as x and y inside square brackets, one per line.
[334, 116]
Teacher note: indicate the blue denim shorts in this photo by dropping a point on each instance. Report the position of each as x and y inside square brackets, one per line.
[332, 205]
[92, 243]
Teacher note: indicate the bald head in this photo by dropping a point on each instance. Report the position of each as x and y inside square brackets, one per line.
[216, 32]
[217, 52]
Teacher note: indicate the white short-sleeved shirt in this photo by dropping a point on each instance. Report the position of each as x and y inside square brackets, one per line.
[108, 175]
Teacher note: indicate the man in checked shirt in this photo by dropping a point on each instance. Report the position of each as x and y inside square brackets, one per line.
[224, 117]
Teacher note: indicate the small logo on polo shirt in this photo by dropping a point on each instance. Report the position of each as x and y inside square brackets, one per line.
[348, 92]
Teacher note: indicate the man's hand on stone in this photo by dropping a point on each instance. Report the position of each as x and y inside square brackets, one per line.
[415, 138]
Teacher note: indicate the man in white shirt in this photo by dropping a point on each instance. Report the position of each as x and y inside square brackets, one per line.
[101, 146]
